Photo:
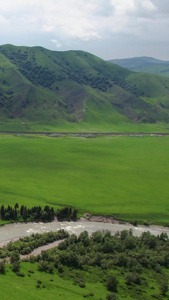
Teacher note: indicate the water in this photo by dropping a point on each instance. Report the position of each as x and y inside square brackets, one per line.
[12, 232]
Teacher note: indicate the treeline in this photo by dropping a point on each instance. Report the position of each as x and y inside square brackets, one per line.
[67, 214]
[27, 244]
[36, 213]
[119, 262]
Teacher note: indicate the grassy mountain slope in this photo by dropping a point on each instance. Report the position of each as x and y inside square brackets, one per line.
[49, 90]
[144, 64]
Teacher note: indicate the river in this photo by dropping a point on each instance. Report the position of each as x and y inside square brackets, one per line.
[11, 232]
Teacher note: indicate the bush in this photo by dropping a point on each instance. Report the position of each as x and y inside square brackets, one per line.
[60, 268]
[164, 287]
[20, 274]
[112, 297]
[39, 281]
[82, 284]
[146, 223]
[135, 223]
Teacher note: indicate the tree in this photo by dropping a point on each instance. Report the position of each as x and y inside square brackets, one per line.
[112, 283]
[16, 206]
[74, 214]
[14, 257]
[16, 266]
[84, 238]
[2, 211]
[164, 287]
[43, 265]
[124, 234]
[2, 267]
[130, 242]
[25, 213]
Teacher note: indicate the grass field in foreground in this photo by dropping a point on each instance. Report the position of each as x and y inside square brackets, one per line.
[124, 176]
[53, 286]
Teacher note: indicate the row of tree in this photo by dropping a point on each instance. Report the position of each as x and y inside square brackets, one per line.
[36, 213]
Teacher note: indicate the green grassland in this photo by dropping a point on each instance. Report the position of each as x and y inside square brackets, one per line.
[124, 176]
[55, 287]
[120, 125]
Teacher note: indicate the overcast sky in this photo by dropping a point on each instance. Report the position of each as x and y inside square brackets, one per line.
[107, 28]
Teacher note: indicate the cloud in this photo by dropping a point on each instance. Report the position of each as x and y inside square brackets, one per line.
[56, 43]
[47, 28]
[162, 7]
[83, 19]
[70, 23]
[4, 21]
[73, 20]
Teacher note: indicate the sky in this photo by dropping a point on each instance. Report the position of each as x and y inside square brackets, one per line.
[110, 29]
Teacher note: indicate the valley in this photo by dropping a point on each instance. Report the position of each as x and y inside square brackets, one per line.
[79, 132]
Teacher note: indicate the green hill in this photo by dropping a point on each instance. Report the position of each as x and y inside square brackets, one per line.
[74, 90]
[144, 64]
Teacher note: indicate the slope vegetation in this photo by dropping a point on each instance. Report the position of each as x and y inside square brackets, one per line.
[48, 90]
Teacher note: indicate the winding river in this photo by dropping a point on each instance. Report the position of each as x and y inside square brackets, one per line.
[12, 232]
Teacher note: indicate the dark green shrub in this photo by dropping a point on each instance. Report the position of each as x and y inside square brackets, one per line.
[133, 277]
[112, 297]
[20, 274]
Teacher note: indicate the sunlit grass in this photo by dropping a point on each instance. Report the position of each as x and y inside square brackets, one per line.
[124, 176]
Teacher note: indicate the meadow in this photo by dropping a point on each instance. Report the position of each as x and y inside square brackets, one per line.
[123, 176]
[53, 286]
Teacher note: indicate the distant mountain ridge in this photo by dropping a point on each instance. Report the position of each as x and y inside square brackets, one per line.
[144, 64]
[43, 87]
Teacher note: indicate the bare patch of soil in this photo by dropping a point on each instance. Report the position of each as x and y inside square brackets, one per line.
[103, 219]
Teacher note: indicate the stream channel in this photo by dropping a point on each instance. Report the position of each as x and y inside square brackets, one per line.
[12, 232]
